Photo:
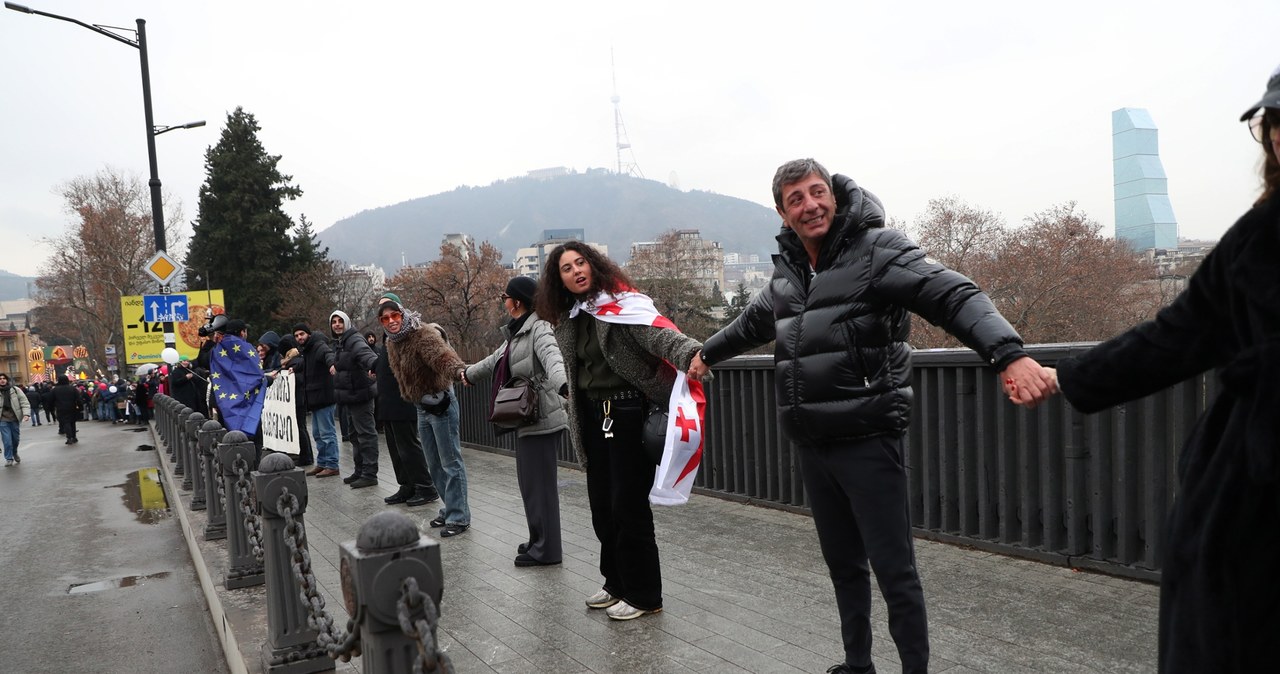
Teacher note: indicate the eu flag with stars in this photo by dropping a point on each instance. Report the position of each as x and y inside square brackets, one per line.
[237, 384]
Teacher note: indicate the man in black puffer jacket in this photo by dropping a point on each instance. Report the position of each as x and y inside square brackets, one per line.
[838, 307]
[353, 388]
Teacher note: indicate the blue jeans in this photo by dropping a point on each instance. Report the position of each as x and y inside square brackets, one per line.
[325, 437]
[439, 433]
[10, 431]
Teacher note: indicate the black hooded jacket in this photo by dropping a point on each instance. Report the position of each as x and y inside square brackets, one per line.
[842, 364]
[354, 360]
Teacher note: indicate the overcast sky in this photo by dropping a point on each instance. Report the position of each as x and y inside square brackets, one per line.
[1004, 104]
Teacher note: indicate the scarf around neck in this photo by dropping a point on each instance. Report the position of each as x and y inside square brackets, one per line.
[412, 321]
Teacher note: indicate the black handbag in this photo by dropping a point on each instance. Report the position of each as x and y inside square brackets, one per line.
[653, 434]
[515, 404]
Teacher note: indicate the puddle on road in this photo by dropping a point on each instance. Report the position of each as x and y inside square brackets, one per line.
[98, 586]
[144, 496]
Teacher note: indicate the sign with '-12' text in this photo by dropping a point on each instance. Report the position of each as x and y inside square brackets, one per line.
[144, 339]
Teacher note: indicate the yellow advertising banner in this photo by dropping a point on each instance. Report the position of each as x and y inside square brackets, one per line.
[144, 341]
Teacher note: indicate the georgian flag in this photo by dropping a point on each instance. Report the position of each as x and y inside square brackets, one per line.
[682, 452]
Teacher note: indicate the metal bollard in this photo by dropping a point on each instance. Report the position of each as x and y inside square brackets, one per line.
[236, 453]
[215, 524]
[188, 448]
[194, 479]
[174, 413]
[179, 442]
[291, 646]
[163, 413]
[388, 551]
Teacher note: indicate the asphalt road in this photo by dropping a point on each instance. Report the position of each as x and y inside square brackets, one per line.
[94, 573]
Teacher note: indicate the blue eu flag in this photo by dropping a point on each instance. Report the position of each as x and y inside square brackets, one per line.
[237, 384]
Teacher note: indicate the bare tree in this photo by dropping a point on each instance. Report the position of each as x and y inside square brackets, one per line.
[679, 274]
[1057, 279]
[963, 237]
[460, 291]
[101, 257]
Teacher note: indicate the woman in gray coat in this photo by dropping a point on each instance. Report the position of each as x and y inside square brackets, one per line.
[530, 351]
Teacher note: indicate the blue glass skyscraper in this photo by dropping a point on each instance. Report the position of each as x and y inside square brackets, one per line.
[1144, 216]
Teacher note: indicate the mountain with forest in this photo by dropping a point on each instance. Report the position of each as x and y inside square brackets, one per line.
[612, 209]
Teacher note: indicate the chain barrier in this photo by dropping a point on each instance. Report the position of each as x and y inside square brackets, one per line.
[252, 523]
[222, 490]
[341, 645]
[422, 630]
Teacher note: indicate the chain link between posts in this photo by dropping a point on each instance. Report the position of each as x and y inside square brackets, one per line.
[422, 629]
[340, 645]
[252, 523]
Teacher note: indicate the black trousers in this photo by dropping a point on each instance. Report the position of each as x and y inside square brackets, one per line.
[407, 460]
[67, 425]
[857, 491]
[619, 476]
[363, 436]
[540, 491]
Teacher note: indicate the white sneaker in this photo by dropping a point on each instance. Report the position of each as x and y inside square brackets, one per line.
[601, 599]
[624, 611]
[8, 462]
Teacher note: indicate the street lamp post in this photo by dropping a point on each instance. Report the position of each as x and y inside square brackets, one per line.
[157, 209]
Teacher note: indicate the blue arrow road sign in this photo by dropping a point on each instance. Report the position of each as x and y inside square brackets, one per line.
[164, 308]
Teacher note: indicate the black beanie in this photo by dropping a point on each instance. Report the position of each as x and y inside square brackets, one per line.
[522, 288]
[303, 327]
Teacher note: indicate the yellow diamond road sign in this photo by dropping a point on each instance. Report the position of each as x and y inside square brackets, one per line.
[162, 268]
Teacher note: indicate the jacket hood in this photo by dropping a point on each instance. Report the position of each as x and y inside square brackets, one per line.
[346, 320]
[271, 339]
[856, 209]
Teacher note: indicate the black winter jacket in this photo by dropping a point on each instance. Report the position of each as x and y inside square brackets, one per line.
[391, 407]
[841, 362]
[317, 358]
[354, 360]
[1219, 608]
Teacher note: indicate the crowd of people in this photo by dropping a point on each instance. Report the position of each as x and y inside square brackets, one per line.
[106, 399]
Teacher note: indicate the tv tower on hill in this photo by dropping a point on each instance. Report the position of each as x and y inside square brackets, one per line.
[620, 129]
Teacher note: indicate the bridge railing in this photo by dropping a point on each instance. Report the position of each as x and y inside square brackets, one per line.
[1087, 491]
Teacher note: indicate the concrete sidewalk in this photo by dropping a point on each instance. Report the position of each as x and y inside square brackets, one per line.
[745, 590]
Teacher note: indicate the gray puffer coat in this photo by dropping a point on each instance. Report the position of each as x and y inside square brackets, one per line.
[535, 356]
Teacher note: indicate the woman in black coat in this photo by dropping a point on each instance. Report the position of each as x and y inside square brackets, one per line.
[1219, 588]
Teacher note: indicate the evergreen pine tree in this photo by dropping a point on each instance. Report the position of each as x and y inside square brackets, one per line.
[307, 252]
[241, 241]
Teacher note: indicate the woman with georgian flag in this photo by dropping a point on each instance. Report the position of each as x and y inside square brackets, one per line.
[622, 357]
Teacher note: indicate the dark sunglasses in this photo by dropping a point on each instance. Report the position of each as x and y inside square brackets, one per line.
[390, 316]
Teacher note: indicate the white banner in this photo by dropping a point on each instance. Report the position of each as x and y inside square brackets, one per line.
[279, 416]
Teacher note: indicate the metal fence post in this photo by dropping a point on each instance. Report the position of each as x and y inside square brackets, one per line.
[179, 442]
[389, 550]
[188, 448]
[215, 525]
[237, 454]
[291, 646]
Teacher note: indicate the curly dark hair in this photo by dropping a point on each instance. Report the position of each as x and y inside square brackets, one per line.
[553, 300]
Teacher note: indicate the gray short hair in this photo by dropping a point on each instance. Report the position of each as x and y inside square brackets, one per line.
[794, 170]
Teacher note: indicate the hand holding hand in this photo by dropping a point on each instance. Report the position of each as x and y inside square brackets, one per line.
[462, 377]
[698, 368]
[1027, 383]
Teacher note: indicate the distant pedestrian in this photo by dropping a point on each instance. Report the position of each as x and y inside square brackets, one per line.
[67, 401]
[14, 409]
[33, 402]
[46, 401]
[530, 351]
